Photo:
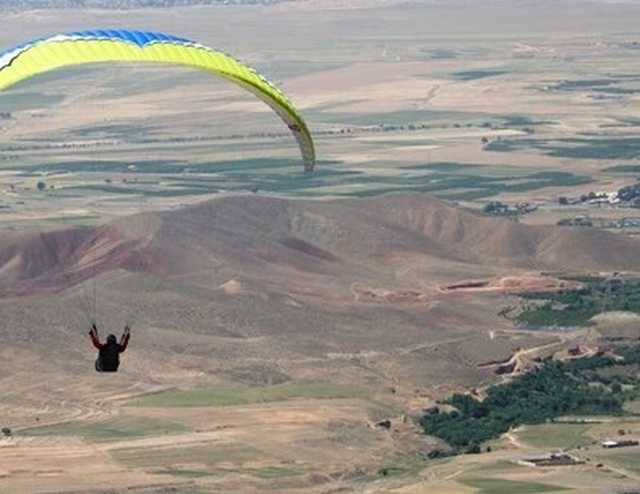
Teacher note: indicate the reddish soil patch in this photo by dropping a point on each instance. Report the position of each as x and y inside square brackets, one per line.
[368, 295]
[53, 261]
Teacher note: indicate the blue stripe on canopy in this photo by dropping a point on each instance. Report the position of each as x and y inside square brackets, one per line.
[140, 38]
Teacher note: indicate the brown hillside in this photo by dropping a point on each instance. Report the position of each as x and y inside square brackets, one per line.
[31, 263]
[305, 246]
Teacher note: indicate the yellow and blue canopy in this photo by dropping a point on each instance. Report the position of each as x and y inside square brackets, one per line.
[117, 45]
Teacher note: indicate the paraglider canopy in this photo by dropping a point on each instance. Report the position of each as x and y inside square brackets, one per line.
[117, 45]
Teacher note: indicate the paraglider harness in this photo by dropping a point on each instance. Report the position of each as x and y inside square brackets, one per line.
[109, 353]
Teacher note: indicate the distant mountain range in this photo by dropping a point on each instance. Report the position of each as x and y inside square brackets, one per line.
[19, 5]
[121, 4]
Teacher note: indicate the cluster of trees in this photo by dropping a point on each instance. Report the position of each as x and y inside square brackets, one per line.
[497, 208]
[553, 390]
[576, 307]
[629, 193]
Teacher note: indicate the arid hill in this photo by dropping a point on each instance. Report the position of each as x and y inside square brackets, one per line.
[309, 248]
